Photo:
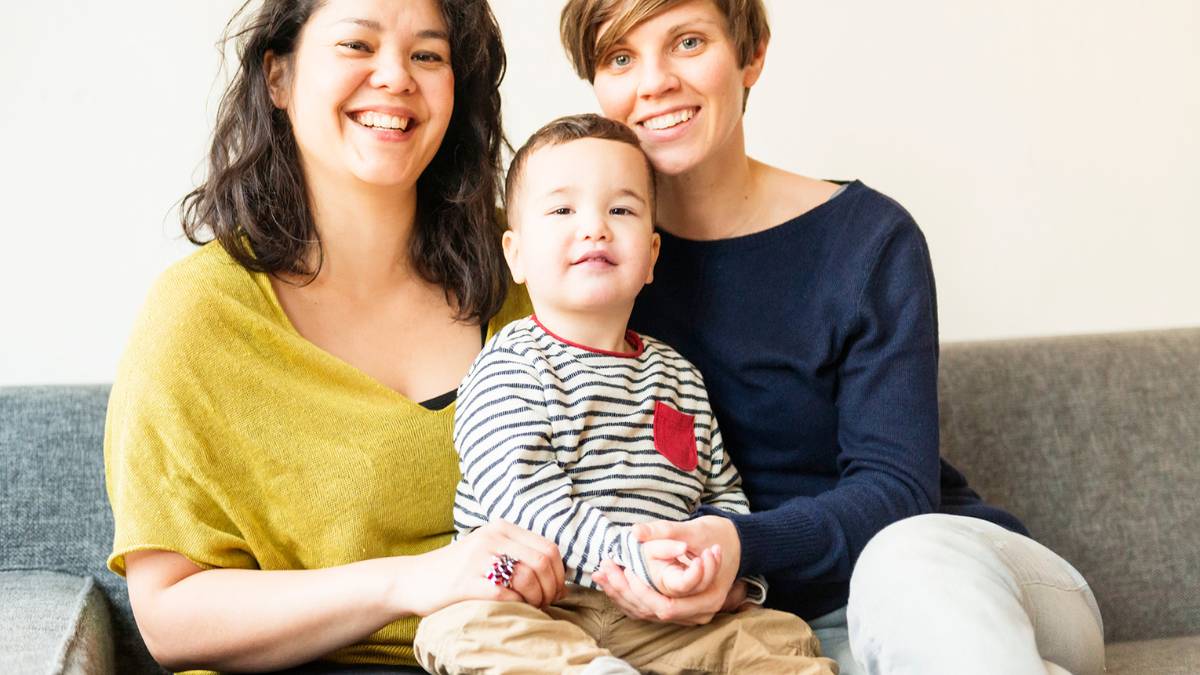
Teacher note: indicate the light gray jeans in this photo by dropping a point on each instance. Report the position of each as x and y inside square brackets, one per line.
[947, 594]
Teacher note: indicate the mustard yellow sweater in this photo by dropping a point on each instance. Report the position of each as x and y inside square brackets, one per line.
[237, 443]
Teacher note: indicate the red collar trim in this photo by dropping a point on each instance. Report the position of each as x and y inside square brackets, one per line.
[633, 339]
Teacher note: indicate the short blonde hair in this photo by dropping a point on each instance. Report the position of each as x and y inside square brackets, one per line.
[580, 24]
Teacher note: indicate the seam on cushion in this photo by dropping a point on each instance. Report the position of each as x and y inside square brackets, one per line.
[68, 642]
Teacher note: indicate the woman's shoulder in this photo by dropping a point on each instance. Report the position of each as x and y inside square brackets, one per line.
[869, 213]
[198, 302]
[846, 208]
[206, 272]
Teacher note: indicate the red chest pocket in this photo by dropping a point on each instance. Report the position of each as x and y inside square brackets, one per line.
[675, 436]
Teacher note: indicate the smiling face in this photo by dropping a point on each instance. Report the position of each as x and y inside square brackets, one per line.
[675, 80]
[369, 90]
[583, 239]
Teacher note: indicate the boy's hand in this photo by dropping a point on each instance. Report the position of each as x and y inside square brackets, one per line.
[677, 573]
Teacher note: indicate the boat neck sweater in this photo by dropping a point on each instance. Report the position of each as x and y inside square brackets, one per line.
[817, 339]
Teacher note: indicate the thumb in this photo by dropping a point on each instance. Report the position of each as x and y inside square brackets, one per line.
[657, 529]
[663, 549]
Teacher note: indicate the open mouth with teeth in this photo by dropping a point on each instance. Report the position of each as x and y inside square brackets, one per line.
[381, 121]
[669, 120]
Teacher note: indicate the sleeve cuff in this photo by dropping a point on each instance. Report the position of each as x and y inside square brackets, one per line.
[756, 589]
[629, 555]
[776, 539]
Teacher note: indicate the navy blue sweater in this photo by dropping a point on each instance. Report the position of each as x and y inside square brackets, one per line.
[818, 342]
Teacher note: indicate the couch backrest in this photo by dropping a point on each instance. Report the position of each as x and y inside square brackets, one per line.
[54, 512]
[1094, 442]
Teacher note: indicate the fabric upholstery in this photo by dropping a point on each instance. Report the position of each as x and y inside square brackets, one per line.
[55, 513]
[1171, 656]
[54, 623]
[1094, 442]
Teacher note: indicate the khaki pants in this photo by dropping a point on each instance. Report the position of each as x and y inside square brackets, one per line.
[511, 637]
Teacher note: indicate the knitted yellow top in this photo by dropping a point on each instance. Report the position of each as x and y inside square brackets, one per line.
[237, 443]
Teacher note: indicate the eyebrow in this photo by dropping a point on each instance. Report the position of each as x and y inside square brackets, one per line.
[674, 30]
[681, 27]
[371, 24]
[626, 192]
[623, 192]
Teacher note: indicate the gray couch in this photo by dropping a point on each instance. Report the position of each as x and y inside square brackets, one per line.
[1093, 441]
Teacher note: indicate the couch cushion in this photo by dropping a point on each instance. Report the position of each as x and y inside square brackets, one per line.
[54, 623]
[1094, 442]
[1172, 656]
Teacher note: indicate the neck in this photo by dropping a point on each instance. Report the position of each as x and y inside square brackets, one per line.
[600, 330]
[365, 234]
[713, 200]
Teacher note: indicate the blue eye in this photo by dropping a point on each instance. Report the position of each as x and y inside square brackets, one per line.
[691, 43]
[621, 60]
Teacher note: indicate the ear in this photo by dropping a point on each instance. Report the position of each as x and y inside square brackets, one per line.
[753, 70]
[275, 69]
[511, 243]
[655, 245]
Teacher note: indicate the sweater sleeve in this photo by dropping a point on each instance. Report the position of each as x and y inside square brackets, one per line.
[503, 437]
[887, 427]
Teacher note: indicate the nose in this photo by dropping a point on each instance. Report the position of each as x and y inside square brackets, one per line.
[656, 78]
[391, 73]
[594, 228]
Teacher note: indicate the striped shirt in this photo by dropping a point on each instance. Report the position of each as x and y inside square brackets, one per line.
[577, 445]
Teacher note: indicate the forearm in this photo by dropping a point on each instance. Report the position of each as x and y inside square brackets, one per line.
[251, 620]
[819, 538]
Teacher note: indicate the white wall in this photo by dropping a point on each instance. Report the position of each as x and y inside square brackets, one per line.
[1050, 151]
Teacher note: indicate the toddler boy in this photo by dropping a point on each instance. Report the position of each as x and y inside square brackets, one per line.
[576, 428]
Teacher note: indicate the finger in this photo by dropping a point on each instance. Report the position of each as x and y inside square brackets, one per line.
[658, 529]
[683, 580]
[655, 603]
[707, 568]
[618, 590]
[523, 580]
[545, 548]
[507, 595]
[663, 549]
[534, 574]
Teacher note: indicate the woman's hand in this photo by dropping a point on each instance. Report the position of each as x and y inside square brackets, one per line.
[459, 571]
[640, 601]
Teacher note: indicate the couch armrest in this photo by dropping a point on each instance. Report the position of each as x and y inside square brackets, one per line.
[54, 623]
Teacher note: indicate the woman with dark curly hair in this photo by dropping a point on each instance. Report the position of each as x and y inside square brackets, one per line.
[278, 449]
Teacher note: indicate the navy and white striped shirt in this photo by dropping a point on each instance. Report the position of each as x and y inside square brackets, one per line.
[577, 445]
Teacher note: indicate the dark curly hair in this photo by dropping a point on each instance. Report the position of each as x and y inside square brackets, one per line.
[254, 200]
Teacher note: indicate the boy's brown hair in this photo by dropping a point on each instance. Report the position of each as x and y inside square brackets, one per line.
[580, 24]
[564, 130]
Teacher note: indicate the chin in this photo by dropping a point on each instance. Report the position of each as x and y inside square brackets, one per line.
[384, 178]
[673, 163]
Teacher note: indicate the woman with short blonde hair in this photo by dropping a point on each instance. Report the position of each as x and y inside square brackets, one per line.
[810, 308]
